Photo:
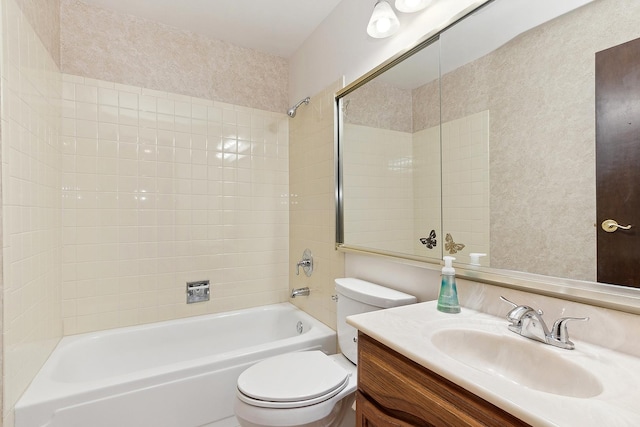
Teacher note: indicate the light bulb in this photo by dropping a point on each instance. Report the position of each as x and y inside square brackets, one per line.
[410, 6]
[383, 21]
[383, 25]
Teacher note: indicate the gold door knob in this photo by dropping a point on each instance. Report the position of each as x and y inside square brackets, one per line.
[611, 225]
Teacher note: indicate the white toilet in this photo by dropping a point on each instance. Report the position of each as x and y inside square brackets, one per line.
[309, 388]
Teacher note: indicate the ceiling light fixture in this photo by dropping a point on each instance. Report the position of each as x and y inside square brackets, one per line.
[383, 22]
[410, 6]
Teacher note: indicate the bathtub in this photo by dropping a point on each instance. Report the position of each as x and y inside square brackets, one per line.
[179, 373]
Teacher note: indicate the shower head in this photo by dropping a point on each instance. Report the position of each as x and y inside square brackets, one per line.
[292, 111]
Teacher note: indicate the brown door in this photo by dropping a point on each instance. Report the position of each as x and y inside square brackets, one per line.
[618, 162]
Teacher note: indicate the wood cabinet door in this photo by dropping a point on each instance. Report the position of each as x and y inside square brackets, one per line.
[368, 415]
[407, 394]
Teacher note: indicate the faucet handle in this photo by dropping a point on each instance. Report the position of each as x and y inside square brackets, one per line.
[560, 333]
[306, 263]
[510, 302]
[516, 314]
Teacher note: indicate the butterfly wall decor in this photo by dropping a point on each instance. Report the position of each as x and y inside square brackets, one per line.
[430, 242]
[451, 246]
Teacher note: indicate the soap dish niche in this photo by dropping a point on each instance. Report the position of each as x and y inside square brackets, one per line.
[198, 291]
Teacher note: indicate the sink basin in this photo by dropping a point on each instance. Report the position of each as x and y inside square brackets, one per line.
[518, 360]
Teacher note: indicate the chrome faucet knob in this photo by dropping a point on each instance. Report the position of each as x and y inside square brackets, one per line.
[507, 301]
[516, 314]
[306, 263]
[560, 333]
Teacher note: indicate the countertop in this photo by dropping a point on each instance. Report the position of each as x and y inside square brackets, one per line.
[408, 330]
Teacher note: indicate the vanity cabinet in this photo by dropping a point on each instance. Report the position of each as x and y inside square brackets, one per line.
[395, 391]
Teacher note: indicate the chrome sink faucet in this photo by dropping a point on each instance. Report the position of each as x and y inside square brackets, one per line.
[528, 322]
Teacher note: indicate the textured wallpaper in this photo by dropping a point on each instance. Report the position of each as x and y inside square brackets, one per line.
[116, 47]
[426, 106]
[379, 105]
[44, 19]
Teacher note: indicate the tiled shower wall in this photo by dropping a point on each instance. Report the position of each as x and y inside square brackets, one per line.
[399, 186]
[312, 186]
[378, 188]
[160, 189]
[465, 186]
[427, 192]
[31, 204]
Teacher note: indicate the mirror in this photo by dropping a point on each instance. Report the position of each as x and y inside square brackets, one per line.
[391, 158]
[507, 167]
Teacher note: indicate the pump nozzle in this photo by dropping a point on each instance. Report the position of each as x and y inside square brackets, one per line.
[475, 258]
[448, 265]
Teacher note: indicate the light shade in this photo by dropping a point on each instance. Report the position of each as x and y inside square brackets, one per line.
[383, 22]
[410, 6]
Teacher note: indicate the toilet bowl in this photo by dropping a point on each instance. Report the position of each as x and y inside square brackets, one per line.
[310, 388]
[315, 390]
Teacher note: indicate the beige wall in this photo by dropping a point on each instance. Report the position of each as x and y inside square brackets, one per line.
[31, 203]
[378, 104]
[160, 189]
[116, 47]
[312, 199]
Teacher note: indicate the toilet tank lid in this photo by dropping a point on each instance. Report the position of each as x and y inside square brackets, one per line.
[372, 294]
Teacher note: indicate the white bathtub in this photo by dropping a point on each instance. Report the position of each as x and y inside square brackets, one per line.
[179, 373]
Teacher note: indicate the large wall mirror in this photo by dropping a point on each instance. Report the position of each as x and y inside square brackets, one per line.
[483, 141]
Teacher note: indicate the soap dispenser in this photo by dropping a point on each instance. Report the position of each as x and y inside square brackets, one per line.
[475, 258]
[448, 297]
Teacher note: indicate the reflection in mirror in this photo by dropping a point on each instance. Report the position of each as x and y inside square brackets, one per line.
[518, 134]
[391, 159]
[390, 143]
[539, 90]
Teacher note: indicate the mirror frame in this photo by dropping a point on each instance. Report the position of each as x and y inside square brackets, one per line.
[598, 294]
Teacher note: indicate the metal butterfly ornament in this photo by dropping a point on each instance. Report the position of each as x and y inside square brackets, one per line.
[430, 242]
[451, 246]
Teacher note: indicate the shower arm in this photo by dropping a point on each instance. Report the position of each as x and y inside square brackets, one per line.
[304, 101]
[292, 111]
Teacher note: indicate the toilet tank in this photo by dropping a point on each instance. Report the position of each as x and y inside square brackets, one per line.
[357, 296]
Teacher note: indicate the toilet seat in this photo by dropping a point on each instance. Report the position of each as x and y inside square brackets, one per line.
[292, 380]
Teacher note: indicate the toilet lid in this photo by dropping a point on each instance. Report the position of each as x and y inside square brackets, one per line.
[293, 377]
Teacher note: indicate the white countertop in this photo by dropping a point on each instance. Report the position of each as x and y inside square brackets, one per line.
[408, 330]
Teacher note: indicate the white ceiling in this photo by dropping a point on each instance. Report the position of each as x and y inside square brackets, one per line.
[277, 27]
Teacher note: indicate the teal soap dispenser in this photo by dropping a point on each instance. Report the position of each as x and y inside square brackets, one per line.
[448, 297]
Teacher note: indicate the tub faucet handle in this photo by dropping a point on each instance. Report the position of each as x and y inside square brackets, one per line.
[306, 263]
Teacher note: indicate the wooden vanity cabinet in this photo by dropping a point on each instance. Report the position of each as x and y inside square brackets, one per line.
[395, 391]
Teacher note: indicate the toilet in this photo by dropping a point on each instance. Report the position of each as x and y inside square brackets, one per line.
[310, 388]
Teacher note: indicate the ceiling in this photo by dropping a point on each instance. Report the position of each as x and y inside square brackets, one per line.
[278, 27]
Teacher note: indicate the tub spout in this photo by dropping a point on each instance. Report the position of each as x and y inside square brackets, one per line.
[300, 292]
